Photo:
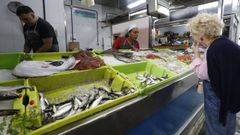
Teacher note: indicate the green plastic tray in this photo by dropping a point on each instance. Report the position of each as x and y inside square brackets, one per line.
[10, 60]
[61, 84]
[18, 121]
[17, 103]
[130, 71]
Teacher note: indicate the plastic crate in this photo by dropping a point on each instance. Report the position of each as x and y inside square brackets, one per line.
[18, 122]
[10, 60]
[61, 85]
[131, 70]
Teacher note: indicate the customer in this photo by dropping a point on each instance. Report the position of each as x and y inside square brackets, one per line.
[220, 70]
[129, 40]
[39, 34]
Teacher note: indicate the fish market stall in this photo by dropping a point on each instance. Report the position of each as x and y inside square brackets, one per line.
[74, 100]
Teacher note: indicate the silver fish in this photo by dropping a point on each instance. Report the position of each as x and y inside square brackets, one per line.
[8, 95]
[54, 108]
[77, 103]
[10, 88]
[62, 110]
[96, 102]
[85, 102]
[6, 112]
[46, 101]
[43, 104]
[71, 112]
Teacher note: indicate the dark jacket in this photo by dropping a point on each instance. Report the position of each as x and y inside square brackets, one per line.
[223, 60]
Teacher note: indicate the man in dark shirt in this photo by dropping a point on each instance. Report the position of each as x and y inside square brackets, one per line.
[39, 34]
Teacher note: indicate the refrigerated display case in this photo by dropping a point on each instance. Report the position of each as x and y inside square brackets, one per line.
[175, 96]
[176, 106]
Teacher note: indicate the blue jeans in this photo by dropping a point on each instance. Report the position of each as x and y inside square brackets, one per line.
[211, 108]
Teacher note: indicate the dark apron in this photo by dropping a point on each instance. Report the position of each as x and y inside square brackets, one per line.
[34, 41]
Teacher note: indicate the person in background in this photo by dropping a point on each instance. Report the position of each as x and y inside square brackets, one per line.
[219, 70]
[39, 34]
[129, 41]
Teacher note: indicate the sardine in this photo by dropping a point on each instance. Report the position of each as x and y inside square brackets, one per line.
[94, 93]
[126, 90]
[62, 110]
[77, 103]
[54, 108]
[64, 105]
[43, 104]
[48, 109]
[96, 102]
[10, 88]
[116, 93]
[46, 101]
[8, 95]
[71, 112]
[85, 102]
[7, 112]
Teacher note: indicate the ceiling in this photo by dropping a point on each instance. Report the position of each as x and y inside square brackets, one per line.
[120, 4]
[174, 4]
[187, 3]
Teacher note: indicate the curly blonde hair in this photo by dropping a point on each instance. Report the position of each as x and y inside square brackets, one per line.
[209, 25]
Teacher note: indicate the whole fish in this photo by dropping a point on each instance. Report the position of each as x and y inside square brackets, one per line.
[85, 102]
[10, 88]
[62, 110]
[127, 90]
[6, 112]
[43, 104]
[116, 94]
[96, 102]
[71, 112]
[8, 95]
[77, 103]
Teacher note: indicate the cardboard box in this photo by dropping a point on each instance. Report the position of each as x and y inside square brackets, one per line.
[73, 46]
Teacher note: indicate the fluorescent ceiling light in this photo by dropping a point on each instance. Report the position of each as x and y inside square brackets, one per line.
[138, 12]
[163, 10]
[208, 5]
[135, 4]
[213, 5]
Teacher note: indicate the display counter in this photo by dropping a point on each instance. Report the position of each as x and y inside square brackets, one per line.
[125, 117]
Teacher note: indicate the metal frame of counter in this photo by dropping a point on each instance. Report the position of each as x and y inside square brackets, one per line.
[121, 118]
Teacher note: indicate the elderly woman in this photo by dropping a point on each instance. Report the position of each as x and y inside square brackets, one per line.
[129, 41]
[220, 70]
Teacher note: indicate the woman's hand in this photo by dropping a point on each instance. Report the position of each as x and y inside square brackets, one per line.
[195, 48]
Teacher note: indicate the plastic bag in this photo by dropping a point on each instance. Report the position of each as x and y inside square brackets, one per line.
[42, 68]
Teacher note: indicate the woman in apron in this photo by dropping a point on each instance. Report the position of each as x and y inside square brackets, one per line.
[129, 41]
